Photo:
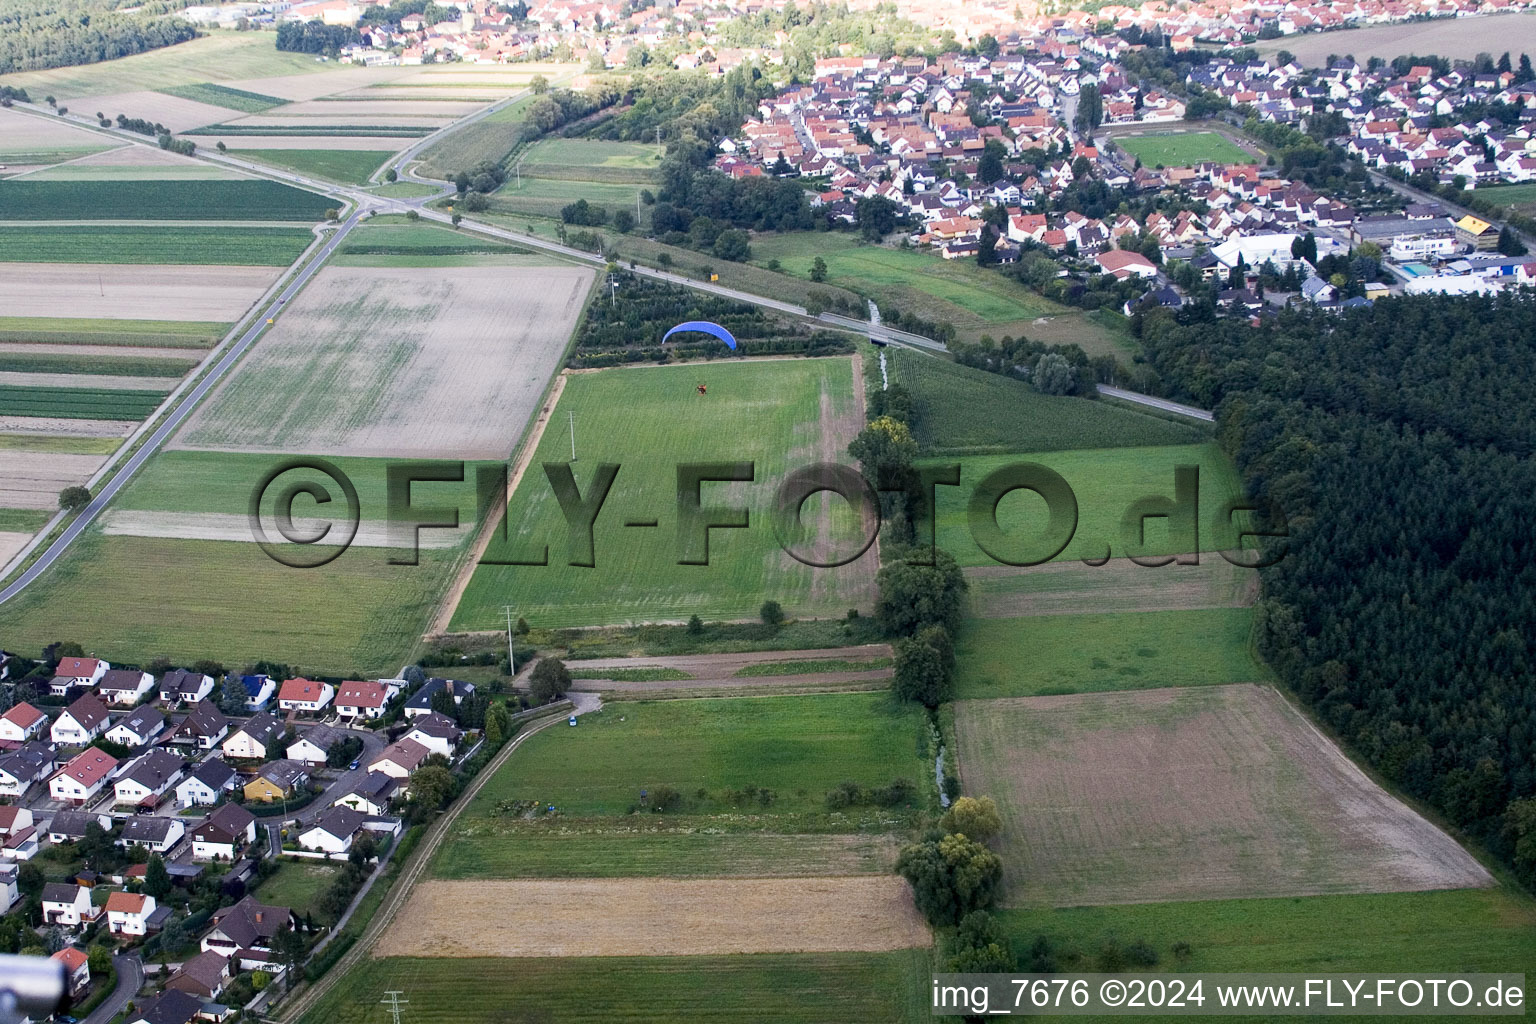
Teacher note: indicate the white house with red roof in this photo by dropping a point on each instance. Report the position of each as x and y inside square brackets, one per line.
[81, 671]
[21, 723]
[83, 777]
[364, 699]
[1124, 263]
[128, 913]
[305, 695]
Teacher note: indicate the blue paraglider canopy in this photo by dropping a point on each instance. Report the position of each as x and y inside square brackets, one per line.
[706, 327]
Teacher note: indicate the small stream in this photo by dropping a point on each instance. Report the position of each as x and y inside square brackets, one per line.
[938, 776]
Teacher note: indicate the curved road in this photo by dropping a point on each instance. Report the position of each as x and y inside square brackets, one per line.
[130, 978]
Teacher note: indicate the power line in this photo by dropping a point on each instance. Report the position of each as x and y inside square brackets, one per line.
[394, 1002]
[511, 662]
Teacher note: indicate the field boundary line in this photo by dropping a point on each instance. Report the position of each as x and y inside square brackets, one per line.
[410, 875]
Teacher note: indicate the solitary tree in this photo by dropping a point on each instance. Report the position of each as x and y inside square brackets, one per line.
[772, 613]
[818, 270]
[548, 681]
[73, 499]
[157, 880]
[951, 877]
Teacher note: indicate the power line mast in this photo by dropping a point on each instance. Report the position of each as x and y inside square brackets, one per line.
[511, 661]
[394, 1002]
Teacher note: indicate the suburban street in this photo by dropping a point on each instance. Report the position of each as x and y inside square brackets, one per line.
[130, 978]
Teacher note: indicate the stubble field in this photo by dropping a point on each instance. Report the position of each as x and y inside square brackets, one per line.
[399, 363]
[1197, 793]
[106, 290]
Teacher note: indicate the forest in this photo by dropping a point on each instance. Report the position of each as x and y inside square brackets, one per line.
[40, 34]
[1395, 444]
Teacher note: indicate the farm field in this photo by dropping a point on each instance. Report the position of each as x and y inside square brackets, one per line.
[1181, 149]
[30, 139]
[350, 166]
[23, 520]
[58, 444]
[1474, 929]
[878, 988]
[119, 333]
[98, 403]
[399, 363]
[492, 139]
[174, 112]
[1107, 483]
[1053, 654]
[719, 754]
[1070, 588]
[225, 96]
[133, 243]
[32, 479]
[1189, 793]
[221, 55]
[779, 414]
[543, 197]
[202, 294]
[589, 154]
[655, 917]
[1446, 37]
[87, 362]
[361, 616]
[387, 235]
[26, 199]
[962, 410]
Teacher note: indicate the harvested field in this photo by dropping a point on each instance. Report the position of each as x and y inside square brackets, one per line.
[226, 526]
[368, 110]
[174, 112]
[655, 917]
[320, 124]
[188, 356]
[60, 426]
[302, 142]
[34, 479]
[398, 363]
[1184, 794]
[158, 162]
[1070, 588]
[298, 88]
[693, 671]
[105, 290]
[10, 543]
[25, 136]
[109, 382]
[1445, 37]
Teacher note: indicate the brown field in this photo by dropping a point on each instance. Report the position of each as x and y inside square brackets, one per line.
[367, 111]
[10, 543]
[110, 382]
[321, 83]
[431, 363]
[189, 356]
[371, 143]
[1189, 794]
[34, 479]
[1071, 588]
[276, 119]
[66, 427]
[230, 527]
[1442, 37]
[123, 292]
[27, 133]
[655, 917]
[154, 157]
[174, 112]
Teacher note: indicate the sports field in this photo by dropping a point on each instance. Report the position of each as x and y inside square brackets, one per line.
[399, 363]
[965, 411]
[1053, 654]
[769, 988]
[649, 420]
[1189, 793]
[1107, 483]
[1182, 149]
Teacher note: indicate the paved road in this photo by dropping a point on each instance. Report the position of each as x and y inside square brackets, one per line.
[1157, 403]
[183, 409]
[130, 978]
[373, 745]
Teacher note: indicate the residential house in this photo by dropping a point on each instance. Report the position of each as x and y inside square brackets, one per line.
[14, 819]
[259, 690]
[21, 723]
[77, 969]
[371, 794]
[73, 672]
[420, 702]
[146, 779]
[20, 844]
[334, 831]
[21, 768]
[399, 759]
[125, 686]
[68, 905]
[10, 887]
[83, 777]
[128, 913]
[81, 722]
[312, 746]
[204, 726]
[186, 687]
[277, 780]
[70, 826]
[155, 833]
[244, 932]
[437, 732]
[253, 740]
[206, 784]
[202, 976]
[223, 833]
[1124, 263]
[169, 1007]
[362, 700]
[304, 695]
[139, 728]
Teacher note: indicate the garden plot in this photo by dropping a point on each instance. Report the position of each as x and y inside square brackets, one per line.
[655, 917]
[1189, 794]
[418, 362]
[117, 291]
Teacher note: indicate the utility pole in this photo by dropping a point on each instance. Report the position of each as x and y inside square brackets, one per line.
[394, 1002]
[511, 661]
[572, 414]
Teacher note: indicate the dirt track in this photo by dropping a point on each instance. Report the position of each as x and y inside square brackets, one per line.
[655, 917]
